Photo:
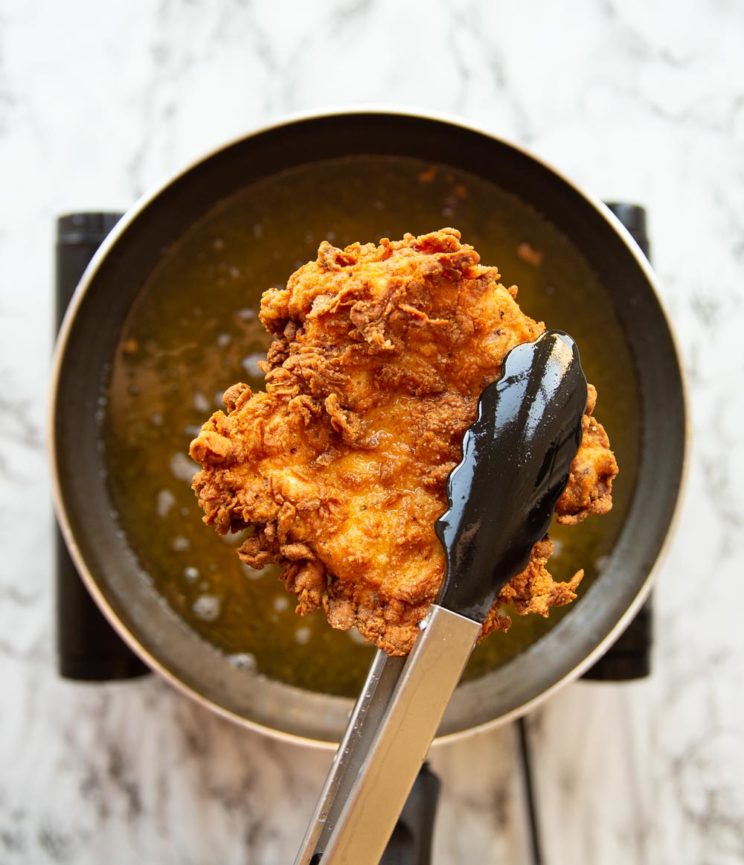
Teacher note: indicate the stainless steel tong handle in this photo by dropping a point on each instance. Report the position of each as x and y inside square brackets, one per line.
[363, 722]
[385, 744]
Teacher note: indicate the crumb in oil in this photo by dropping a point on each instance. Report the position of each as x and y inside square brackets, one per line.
[529, 254]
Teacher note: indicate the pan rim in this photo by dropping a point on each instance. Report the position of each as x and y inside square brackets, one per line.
[88, 278]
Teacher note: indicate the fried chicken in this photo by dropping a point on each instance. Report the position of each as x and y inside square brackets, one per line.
[339, 469]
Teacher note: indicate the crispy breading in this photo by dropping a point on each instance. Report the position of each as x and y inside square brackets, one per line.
[379, 356]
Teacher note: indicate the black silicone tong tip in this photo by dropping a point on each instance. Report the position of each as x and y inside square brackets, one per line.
[516, 461]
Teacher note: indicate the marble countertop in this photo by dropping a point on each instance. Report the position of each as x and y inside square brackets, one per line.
[633, 100]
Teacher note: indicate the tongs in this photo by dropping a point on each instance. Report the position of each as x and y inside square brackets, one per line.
[515, 464]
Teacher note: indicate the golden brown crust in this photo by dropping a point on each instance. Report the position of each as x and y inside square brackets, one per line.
[379, 355]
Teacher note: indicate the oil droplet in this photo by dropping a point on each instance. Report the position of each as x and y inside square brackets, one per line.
[181, 544]
[191, 574]
[302, 635]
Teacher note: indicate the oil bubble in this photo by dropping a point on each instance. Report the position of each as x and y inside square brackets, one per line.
[254, 573]
[356, 637]
[207, 608]
[281, 602]
[182, 467]
[165, 502]
[201, 403]
[234, 538]
[243, 661]
[250, 364]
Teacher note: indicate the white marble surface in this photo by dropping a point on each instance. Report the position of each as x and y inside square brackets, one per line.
[639, 100]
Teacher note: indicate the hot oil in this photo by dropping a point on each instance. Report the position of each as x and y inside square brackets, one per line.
[194, 332]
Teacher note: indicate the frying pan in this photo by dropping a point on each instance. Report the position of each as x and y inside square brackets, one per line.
[89, 336]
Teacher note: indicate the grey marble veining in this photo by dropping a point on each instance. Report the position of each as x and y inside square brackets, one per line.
[633, 100]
